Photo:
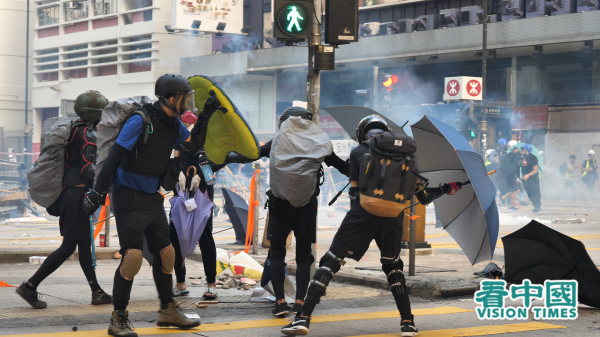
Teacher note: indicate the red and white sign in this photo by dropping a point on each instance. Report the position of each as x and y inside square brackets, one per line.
[462, 88]
[329, 125]
[530, 117]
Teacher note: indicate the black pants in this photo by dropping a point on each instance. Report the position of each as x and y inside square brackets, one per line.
[75, 228]
[141, 215]
[532, 187]
[283, 218]
[208, 249]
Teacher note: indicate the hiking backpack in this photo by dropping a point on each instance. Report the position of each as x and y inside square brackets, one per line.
[114, 117]
[297, 153]
[388, 175]
[45, 179]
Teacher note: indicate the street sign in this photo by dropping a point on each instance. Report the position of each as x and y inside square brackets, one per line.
[292, 20]
[204, 16]
[462, 88]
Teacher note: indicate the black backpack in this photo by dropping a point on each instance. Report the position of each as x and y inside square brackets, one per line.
[388, 175]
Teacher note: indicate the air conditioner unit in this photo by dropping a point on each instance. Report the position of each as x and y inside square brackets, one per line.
[449, 18]
[73, 5]
[559, 7]
[535, 8]
[468, 15]
[374, 27]
[586, 5]
[490, 18]
[513, 9]
[388, 28]
[426, 22]
[406, 26]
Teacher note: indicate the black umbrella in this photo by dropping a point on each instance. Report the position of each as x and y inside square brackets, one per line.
[539, 253]
[350, 115]
[237, 210]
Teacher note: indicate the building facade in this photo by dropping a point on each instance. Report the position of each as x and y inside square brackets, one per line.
[118, 47]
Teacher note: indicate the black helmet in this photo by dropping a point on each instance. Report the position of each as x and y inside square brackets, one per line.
[295, 111]
[368, 123]
[172, 84]
[89, 105]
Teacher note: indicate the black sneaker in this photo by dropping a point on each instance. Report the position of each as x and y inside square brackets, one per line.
[298, 327]
[297, 308]
[281, 310]
[101, 298]
[409, 329]
[31, 296]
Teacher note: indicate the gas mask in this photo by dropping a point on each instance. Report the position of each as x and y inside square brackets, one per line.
[188, 103]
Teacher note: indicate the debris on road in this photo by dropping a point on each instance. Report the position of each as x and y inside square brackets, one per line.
[568, 221]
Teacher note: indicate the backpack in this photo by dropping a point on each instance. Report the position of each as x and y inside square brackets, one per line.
[295, 160]
[562, 169]
[388, 175]
[46, 177]
[114, 117]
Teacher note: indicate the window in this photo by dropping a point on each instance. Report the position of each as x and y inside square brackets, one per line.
[48, 16]
[77, 55]
[48, 59]
[48, 51]
[77, 63]
[81, 46]
[76, 10]
[49, 66]
[103, 7]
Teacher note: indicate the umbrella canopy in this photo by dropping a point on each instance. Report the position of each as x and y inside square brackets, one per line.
[237, 210]
[190, 224]
[350, 115]
[539, 253]
[470, 216]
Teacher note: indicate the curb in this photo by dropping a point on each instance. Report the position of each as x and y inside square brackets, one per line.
[420, 286]
[22, 256]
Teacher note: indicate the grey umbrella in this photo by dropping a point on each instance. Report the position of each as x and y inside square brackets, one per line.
[350, 115]
[470, 216]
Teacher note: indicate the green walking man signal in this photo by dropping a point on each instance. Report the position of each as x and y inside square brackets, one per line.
[293, 17]
[292, 20]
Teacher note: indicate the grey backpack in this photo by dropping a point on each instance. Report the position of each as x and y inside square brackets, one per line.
[46, 176]
[114, 117]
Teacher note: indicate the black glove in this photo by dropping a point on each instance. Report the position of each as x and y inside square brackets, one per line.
[236, 158]
[353, 194]
[212, 104]
[91, 202]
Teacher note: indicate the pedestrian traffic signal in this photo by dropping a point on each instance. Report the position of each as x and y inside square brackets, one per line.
[293, 20]
[468, 127]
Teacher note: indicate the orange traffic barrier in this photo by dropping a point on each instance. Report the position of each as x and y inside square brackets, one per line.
[102, 216]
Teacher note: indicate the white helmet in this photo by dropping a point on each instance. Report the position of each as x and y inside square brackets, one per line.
[512, 143]
[592, 152]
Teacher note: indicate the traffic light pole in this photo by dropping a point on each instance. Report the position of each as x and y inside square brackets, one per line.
[313, 90]
[483, 125]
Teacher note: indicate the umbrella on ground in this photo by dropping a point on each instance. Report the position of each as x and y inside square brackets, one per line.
[237, 210]
[350, 115]
[470, 216]
[539, 253]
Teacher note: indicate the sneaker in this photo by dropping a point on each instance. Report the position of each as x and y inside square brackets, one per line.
[408, 329]
[281, 310]
[31, 296]
[172, 316]
[120, 325]
[101, 298]
[298, 327]
[297, 308]
[177, 292]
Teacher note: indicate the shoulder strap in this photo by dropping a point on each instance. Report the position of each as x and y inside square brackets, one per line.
[147, 127]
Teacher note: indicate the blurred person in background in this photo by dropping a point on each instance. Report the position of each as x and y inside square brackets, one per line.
[589, 174]
[530, 177]
[566, 171]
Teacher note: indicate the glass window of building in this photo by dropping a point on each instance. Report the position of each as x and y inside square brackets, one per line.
[48, 16]
[104, 7]
[75, 10]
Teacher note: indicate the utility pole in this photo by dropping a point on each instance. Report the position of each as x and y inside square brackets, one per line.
[313, 89]
[375, 88]
[26, 136]
[483, 124]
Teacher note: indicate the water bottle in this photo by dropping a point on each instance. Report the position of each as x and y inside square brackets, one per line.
[208, 173]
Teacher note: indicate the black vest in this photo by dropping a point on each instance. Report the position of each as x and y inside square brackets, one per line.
[152, 158]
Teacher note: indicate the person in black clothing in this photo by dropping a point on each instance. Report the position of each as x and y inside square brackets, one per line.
[508, 173]
[531, 177]
[354, 237]
[206, 242]
[138, 165]
[283, 218]
[78, 178]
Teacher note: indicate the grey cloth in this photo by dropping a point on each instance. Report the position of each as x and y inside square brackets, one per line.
[296, 156]
[372, 133]
[114, 116]
[45, 178]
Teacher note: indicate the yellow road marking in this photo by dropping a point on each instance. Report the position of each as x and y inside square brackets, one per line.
[265, 323]
[227, 238]
[435, 235]
[480, 330]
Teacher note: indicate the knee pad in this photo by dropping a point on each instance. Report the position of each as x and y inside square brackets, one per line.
[167, 255]
[328, 266]
[397, 282]
[131, 264]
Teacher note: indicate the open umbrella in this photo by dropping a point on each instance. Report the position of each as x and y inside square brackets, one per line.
[470, 216]
[237, 210]
[539, 253]
[350, 115]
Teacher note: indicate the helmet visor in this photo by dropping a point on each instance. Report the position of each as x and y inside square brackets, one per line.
[189, 102]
